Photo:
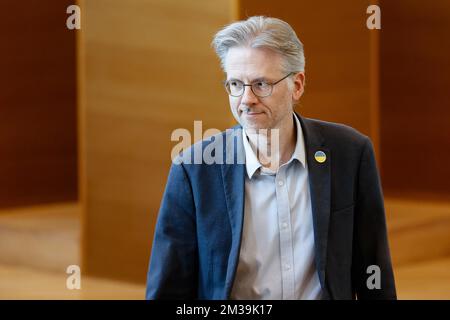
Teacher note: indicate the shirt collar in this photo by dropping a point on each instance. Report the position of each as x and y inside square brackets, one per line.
[251, 161]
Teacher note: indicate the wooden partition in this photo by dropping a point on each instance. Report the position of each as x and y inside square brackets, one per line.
[38, 128]
[415, 98]
[146, 68]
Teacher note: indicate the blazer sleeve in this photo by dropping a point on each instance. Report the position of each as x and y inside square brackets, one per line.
[370, 239]
[172, 272]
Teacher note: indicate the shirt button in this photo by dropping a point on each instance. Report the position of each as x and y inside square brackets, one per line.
[287, 266]
[280, 183]
[284, 225]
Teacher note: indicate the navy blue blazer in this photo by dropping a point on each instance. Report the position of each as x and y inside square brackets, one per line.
[198, 233]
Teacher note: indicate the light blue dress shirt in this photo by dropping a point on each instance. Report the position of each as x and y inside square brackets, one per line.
[276, 260]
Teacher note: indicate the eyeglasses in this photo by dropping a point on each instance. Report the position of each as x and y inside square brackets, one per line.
[236, 88]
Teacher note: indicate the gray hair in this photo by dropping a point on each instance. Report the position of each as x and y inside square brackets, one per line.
[262, 32]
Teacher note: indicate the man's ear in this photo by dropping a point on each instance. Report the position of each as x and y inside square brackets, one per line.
[299, 86]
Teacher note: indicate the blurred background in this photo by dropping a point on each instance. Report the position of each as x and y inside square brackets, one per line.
[86, 118]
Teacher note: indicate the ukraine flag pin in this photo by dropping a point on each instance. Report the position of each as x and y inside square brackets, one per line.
[320, 156]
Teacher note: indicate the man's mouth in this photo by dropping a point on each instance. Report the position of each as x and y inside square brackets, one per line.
[251, 113]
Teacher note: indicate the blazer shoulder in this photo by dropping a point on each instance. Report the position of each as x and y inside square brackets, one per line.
[338, 133]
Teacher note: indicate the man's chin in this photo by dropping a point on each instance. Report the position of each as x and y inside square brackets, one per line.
[247, 125]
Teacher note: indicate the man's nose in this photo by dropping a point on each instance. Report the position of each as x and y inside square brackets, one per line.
[248, 97]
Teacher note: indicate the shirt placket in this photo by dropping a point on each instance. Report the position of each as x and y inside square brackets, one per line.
[285, 231]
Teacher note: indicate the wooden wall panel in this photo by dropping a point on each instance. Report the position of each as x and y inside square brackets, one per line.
[418, 230]
[415, 98]
[338, 53]
[38, 135]
[146, 69]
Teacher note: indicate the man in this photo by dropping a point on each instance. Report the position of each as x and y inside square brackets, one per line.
[303, 222]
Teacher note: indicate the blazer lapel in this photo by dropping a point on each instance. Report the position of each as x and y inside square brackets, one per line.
[320, 186]
[233, 175]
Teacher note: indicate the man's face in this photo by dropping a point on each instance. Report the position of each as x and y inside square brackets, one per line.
[252, 65]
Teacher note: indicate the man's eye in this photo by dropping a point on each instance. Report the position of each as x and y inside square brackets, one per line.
[236, 84]
[261, 84]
